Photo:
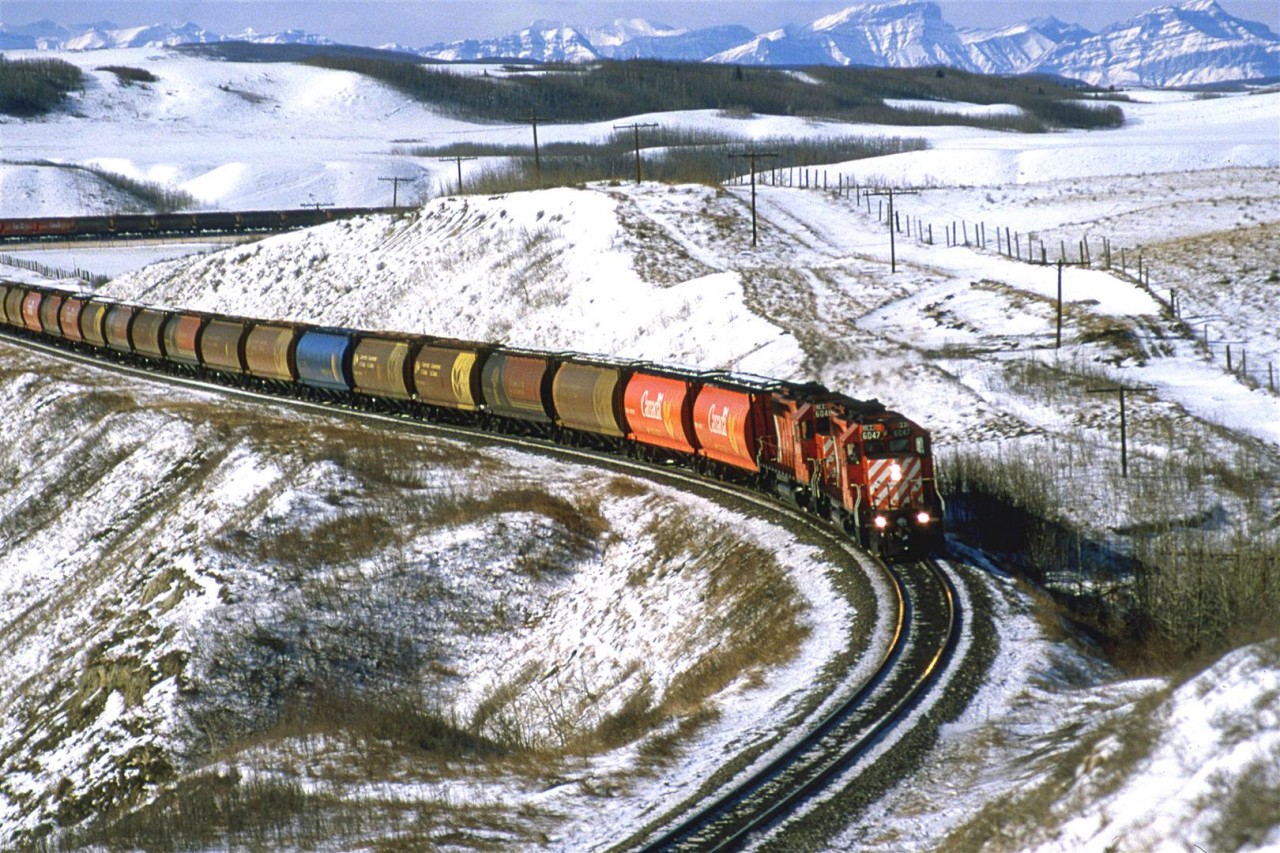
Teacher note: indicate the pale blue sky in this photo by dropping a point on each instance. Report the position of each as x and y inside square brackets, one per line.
[420, 22]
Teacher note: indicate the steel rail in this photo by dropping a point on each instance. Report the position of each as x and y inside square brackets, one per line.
[847, 735]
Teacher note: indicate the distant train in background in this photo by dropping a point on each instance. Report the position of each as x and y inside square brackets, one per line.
[125, 225]
[865, 467]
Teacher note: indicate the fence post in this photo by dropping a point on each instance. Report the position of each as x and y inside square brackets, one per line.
[930, 233]
[1229, 368]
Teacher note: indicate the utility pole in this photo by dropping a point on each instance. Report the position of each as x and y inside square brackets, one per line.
[1057, 341]
[395, 189]
[1124, 450]
[752, 155]
[636, 127]
[893, 251]
[537, 157]
[458, 158]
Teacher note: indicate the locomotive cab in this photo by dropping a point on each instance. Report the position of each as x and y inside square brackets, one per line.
[900, 509]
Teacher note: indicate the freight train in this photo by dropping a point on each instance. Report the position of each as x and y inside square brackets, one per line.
[855, 462]
[173, 224]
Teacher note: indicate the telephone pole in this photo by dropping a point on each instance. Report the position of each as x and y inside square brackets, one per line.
[395, 189]
[636, 127]
[458, 158]
[537, 157]
[752, 155]
[1057, 341]
[1124, 450]
[893, 251]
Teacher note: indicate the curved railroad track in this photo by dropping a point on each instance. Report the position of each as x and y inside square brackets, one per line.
[926, 633]
[921, 625]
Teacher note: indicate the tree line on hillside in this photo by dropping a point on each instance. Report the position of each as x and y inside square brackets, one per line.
[611, 90]
[670, 155]
[33, 87]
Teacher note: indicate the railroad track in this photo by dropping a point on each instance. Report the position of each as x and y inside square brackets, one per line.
[927, 631]
[921, 634]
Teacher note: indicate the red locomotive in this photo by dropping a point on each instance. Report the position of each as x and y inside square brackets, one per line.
[863, 466]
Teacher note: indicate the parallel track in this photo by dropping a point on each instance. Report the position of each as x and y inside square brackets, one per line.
[923, 632]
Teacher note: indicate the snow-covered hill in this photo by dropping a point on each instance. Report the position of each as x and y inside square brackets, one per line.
[162, 611]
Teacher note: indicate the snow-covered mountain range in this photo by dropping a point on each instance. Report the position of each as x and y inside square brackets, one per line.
[1195, 42]
[46, 35]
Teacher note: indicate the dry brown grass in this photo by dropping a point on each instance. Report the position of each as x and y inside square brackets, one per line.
[1051, 775]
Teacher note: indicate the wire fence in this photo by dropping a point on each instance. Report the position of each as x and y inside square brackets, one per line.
[1100, 253]
[90, 278]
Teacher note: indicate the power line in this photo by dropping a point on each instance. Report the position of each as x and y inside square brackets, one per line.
[893, 259]
[1057, 341]
[395, 188]
[636, 127]
[537, 157]
[752, 155]
[457, 158]
[1124, 450]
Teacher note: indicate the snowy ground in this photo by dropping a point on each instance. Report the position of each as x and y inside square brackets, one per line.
[669, 274]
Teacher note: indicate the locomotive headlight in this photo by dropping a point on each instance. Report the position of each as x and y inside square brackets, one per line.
[922, 518]
[895, 472]
[881, 522]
